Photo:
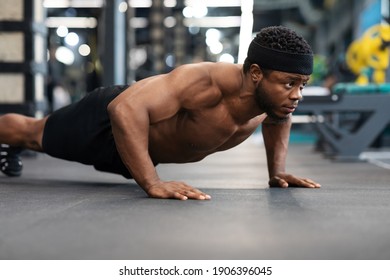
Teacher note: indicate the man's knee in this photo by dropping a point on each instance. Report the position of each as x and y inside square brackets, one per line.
[26, 131]
[35, 134]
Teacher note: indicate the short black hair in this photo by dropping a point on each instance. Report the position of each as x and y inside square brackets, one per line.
[282, 39]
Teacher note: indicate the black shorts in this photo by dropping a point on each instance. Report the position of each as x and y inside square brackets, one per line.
[82, 132]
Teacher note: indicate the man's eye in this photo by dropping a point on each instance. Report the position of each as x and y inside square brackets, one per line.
[290, 85]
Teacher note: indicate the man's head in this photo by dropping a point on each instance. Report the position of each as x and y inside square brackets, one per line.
[280, 48]
[279, 63]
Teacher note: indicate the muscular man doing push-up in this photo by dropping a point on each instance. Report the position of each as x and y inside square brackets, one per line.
[179, 117]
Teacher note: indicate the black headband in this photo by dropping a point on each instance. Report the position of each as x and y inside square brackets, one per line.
[280, 60]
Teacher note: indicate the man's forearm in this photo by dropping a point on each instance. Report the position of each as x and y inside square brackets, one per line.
[276, 138]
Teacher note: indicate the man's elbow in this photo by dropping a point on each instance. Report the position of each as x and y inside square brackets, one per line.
[115, 110]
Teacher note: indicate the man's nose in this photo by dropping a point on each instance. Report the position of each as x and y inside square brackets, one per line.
[296, 94]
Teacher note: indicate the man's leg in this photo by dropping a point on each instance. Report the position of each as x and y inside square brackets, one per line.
[18, 132]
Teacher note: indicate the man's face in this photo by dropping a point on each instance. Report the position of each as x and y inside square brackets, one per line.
[278, 94]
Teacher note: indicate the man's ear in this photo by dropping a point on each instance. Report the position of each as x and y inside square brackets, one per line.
[256, 73]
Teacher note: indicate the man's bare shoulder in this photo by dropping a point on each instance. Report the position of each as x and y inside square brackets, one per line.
[227, 76]
[194, 71]
[194, 84]
[215, 70]
[224, 76]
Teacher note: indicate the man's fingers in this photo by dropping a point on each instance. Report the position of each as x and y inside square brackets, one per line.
[292, 181]
[192, 193]
[305, 183]
[177, 190]
[278, 182]
[310, 183]
[177, 195]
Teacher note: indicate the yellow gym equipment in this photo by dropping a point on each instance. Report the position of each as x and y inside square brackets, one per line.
[368, 57]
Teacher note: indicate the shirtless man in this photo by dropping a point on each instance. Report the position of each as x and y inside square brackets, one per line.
[183, 116]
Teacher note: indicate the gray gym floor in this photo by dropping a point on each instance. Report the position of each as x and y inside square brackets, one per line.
[64, 210]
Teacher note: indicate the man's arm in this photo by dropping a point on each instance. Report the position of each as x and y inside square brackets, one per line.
[131, 115]
[276, 138]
